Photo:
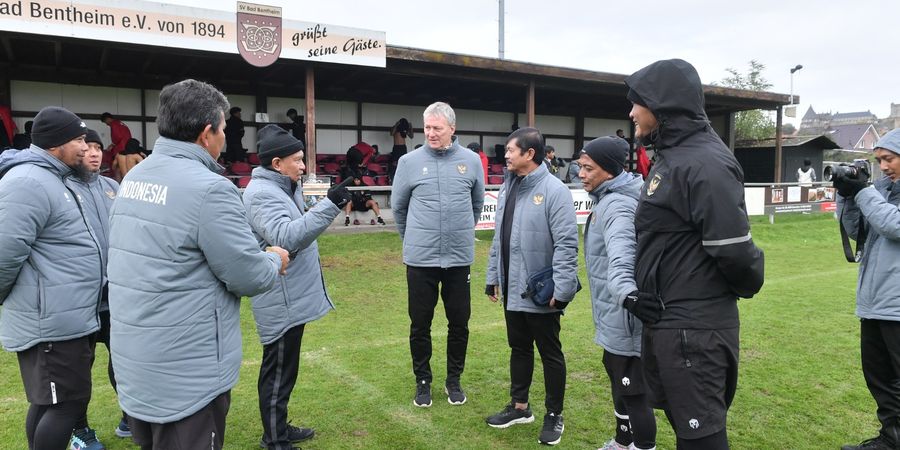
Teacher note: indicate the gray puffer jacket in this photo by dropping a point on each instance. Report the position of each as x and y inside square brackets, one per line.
[544, 233]
[181, 255]
[609, 245]
[878, 291]
[436, 199]
[50, 266]
[97, 195]
[279, 217]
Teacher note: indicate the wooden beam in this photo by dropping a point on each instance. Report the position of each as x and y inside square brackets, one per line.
[529, 105]
[310, 120]
[778, 136]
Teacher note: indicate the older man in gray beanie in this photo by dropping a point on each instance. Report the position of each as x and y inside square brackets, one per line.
[878, 294]
[50, 277]
[279, 216]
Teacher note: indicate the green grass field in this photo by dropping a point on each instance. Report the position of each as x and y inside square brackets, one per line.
[800, 385]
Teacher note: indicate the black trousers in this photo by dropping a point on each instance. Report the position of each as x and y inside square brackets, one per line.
[880, 351]
[205, 429]
[423, 284]
[523, 331]
[277, 376]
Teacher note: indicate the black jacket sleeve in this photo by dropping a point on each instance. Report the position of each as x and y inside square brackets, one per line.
[717, 208]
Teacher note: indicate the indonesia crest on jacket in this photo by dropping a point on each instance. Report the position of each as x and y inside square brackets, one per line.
[654, 183]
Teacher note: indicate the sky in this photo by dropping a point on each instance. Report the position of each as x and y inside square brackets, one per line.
[847, 49]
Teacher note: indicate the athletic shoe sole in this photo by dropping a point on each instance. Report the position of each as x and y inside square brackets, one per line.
[447, 391]
[557, 439]
[422, 405]
[122, 433]
[514, 422]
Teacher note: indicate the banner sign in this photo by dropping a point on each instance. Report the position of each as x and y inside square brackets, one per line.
[583, 205]
[257, 32]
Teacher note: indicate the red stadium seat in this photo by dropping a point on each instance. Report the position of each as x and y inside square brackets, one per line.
[377, 168]
[368, 181]
[243, 182]
[253, 159]
[241, 168]
[495, 179]
[332, 168]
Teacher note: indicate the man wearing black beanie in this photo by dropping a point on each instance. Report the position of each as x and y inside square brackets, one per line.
[50, 277]
[694, 250]
[609, 259]
[278, 216]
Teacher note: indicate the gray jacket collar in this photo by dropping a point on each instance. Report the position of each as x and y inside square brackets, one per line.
[615, 184]
[187, 150]
[282, 181]
[532, 179]
[41, 157]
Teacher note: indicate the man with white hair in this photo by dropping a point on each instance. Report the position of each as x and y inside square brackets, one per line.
[437, 194]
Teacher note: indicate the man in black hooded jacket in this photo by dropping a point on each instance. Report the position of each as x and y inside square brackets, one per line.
[694, 258]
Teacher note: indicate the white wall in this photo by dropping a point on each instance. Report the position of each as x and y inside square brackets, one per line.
[605, 127]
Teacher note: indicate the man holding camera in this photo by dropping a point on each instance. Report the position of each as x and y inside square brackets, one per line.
[877, 298]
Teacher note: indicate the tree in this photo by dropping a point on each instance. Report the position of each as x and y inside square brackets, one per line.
[753, 124]
[788, 129]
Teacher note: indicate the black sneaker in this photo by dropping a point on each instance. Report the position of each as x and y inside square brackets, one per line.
[423, 394]
[876, 443]
[510, 416]
[552, 431]
[380, 221]
[298, 434]
[455, 394]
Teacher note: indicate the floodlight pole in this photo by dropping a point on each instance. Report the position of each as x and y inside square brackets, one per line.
[794, 69]
[501, 40]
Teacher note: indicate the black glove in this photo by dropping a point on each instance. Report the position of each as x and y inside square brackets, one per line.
[849, 187]
[339, 195]
[489, 290]
[560, 305]
[647, 307]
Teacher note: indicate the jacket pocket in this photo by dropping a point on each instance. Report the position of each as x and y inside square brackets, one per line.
[42, 298]
[684, 349]
[218, 336]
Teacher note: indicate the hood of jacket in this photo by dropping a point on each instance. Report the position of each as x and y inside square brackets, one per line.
[625, 183]
[282, 181]
[673, 92]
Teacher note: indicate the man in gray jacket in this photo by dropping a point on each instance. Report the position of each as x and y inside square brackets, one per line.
[437, 196]
[878, 292]
[278, 216]
[609, 245]
[181, 255]
[97, 193]
[536, 232]
[50, 277]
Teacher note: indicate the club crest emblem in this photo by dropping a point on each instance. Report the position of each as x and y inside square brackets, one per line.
[110, 193]
[462, 168]
[259, 33]
[538, 199]
[654, 183]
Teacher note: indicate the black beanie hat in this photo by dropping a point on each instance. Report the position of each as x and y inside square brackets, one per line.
[633, 97]
[54, 126]
[93, 136]
[609, 152]
[275, 142]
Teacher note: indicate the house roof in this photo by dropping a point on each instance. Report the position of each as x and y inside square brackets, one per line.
[823, 141]
[810, 114]
[847, 136]
[853, 115]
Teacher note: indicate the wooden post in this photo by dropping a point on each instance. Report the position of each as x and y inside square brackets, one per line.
[529, 104]
[778, 167]
[311, 120]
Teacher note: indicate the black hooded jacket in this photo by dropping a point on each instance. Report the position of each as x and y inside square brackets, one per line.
[693, 236]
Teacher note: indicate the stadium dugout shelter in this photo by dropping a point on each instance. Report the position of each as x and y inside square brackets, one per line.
[114, 56]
